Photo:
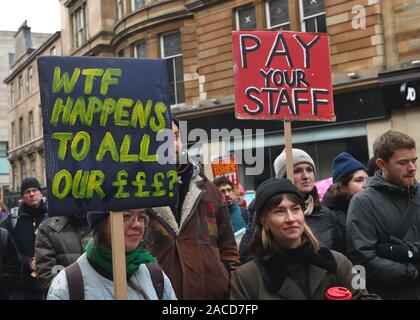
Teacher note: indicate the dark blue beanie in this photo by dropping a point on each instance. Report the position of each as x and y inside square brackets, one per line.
[345, 164]
[94, 218]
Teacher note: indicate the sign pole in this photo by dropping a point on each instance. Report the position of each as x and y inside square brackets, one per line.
[118, 255]
[288, 144]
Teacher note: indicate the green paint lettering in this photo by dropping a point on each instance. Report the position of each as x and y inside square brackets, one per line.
[60, 175]
[79, 110]
[140, 183]
[160, 109]
[120, 183]
[80, 182]
[120, 112]
[60, 81]
[107, 144]
[158, 184]
[63, 137]
[96, 178]
[125, 149]
[90, 77]
[144, 150]
[94, 106]
[140, 115]
[84, 137]
[107, 109]
[108, 79]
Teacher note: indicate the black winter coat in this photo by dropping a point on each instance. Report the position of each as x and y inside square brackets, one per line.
[10, 269]
[374, 215]
[23, 235]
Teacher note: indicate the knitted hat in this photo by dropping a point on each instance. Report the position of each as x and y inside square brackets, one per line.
[29, 183]
[299, 156]
[272, 187]
[345, 164]
[94, 218]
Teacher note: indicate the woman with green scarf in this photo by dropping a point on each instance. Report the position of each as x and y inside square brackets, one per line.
[96, 263]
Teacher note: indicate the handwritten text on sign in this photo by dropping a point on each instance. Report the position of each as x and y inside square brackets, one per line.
[282, 76]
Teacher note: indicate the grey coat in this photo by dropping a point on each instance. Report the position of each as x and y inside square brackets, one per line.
[374, 215]
[59, 242]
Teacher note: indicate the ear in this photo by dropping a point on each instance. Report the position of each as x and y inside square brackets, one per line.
[380, 163]
[262, 221]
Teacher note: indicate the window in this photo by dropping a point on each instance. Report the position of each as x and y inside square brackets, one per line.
[31, 126]
[14, 176]
[20, 87]
[53, 51]
[20, 130]
[278, 14]
[30, 80]
[33, 167]
[3, 149]
[312, 15]
[136, 4]
[22, 169]
[79, 26]
[140, 50]
[12, 93]
[13, 134]
[172, 53]
[245, 19]
[120, 8]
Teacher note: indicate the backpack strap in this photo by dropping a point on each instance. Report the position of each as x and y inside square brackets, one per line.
[157, 278]
[75, 282]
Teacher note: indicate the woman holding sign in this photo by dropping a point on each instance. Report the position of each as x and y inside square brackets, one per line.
[90, 277]
[290, 263]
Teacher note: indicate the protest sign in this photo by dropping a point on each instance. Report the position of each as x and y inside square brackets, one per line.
[282, 76]
[101, 121]
[225, 166]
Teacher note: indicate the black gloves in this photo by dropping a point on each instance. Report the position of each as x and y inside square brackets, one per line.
[399, 250]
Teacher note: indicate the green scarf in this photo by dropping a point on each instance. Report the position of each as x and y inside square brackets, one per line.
[102, 256]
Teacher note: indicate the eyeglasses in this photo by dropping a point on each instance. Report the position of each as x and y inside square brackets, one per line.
[129, 219]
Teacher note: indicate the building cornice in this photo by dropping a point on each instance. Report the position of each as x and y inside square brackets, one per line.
[31, 57]
[201, 4]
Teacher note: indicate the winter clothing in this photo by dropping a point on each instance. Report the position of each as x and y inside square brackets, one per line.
[299, 156]
[29, 183]
[59, 242]
[297, 274]
[23, 234]
[345, 164]
[236, 217]
[340, 208]
[10, 268]
[198, 253]
[374, 215]
[272, 187]
[98, 287]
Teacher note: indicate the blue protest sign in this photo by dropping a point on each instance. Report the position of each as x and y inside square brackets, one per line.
[103, 121]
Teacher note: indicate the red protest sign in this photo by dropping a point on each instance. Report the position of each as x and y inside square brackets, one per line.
[282, 76]
[226, 167]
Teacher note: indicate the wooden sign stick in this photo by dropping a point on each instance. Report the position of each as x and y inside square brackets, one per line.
[288, 144]
[118, 255]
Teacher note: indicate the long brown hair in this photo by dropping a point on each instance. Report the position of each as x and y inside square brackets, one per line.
[258, 246]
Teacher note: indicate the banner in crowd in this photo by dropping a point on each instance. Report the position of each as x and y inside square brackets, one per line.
[282, 76]
[102, 118]
[225, 166]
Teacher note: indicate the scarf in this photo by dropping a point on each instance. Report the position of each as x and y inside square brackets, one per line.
[102, 257]
[309, 206]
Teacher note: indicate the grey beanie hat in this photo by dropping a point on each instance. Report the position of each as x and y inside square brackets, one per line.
[299, 156]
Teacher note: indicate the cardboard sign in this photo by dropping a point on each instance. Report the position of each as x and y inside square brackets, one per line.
[101, 118]
[226, 166]
[282, 76]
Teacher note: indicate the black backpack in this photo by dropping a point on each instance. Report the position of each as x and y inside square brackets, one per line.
[76, 287]
[4, 234]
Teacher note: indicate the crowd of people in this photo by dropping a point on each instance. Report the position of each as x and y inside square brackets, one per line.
[295, 246]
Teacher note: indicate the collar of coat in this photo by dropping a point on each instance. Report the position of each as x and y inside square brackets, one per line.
[275, 276]
[191, 198]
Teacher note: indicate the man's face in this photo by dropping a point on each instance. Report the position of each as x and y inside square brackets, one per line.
[32, 197]
[400, 169]
[227, 191]
[177, 142]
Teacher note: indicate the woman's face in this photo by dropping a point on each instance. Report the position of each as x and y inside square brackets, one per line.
[357, 182]
[134, 226]
[286, 222]
[303, 177]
